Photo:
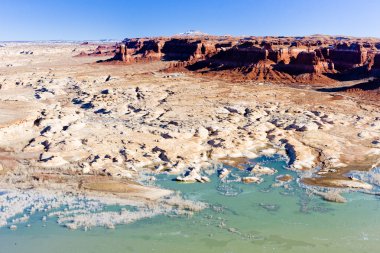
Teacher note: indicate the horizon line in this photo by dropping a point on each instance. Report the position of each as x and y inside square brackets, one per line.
[184, 35]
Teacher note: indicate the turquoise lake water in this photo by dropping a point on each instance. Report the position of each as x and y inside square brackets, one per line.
[260, 218]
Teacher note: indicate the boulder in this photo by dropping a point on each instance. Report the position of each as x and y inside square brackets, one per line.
[284, 178]
[261, 170]
[223, 173]
[192, 176]
[250, 180]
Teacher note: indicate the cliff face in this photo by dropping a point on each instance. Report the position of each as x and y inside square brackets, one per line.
[187, 49]
[375, 68]
[345, 56]
[139, 49]
[295, 59]
[164, 49]
[305, 62]
[267, 61]
[239, 56]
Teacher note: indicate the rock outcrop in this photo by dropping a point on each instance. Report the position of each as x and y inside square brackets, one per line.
[316, 59]
[346, 56]
[139, 49]
[100, 50]
[178, 49]
[187, 49]
[375, 68]
[305, 62]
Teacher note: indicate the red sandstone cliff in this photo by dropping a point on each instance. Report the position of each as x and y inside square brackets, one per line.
[290, 59]
[375, 66]
[347, 56]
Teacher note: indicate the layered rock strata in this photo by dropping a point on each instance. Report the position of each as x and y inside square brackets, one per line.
[315, 59]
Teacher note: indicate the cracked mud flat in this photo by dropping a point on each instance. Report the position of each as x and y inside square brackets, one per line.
[68, 124]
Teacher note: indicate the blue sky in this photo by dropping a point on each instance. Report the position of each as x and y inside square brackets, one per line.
[118, 19]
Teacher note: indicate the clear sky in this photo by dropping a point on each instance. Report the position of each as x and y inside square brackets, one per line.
[118, 19]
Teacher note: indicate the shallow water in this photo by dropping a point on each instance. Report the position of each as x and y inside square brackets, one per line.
[259, 219]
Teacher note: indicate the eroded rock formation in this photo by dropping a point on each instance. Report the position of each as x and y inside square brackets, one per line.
[375, 67]
[100, 50]
[347, 56]
[314, 59]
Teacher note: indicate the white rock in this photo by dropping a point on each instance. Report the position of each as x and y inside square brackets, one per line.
[205, 179]
[202, 132]
[261, 170]
[191, 176]
[309, 127]
[86, 168]
[223, 173]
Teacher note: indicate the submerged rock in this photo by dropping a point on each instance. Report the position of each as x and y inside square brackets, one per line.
[334, 197]
[229, 190]
[284, 178]
[233, 230]
[352, 183]
[249, 180]
[270, 207]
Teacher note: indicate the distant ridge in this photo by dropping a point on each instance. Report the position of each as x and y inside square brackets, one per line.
[192, 33]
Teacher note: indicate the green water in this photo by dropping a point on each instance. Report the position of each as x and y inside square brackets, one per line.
[259, 219]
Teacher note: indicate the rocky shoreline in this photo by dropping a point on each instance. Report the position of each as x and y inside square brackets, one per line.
[70, 124]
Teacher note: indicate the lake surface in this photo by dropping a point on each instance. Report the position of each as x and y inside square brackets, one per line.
[241, 218]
